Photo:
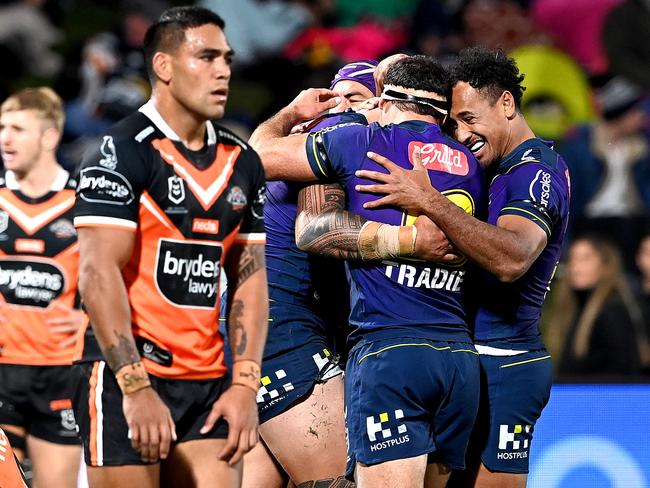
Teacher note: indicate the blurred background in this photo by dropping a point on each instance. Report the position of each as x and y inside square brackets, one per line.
[587, 67]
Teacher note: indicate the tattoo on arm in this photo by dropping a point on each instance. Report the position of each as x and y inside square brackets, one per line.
[324, 227]
[236, 330]
[123, 353]
[251, 260]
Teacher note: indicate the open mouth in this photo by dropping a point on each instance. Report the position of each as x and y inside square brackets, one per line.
[476, 146]
[221, 93]
[8, 154]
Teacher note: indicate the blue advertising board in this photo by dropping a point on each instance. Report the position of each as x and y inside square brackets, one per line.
[593, 436]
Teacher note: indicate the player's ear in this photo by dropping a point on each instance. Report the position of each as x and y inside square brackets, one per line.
[162, 66]
[50, 138]
[509, 106]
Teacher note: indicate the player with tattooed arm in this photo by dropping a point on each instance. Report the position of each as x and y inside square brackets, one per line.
[168, 202]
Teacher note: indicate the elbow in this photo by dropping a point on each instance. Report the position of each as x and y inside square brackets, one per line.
[88, 276]
[305, 228]
[510, 271]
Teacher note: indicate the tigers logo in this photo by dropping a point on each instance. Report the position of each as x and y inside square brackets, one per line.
[236, 198]
[176, 189]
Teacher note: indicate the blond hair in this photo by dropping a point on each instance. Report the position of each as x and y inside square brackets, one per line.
[42, 100]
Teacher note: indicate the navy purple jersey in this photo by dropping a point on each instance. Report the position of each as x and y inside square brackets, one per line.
[301, 285]
[407, 298]
[531, 182]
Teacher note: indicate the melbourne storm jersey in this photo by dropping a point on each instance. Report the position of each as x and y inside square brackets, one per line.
[301, 285]
[186, 209]
[531, 182]
[406, 298]
[39, 266]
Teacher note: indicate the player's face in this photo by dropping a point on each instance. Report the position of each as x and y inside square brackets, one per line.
[21, 139]
[482, 126]
[352, 95]
[584, 266]
[643, 258]
[201, 72]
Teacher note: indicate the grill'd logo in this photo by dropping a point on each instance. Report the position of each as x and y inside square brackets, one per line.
[187, 273]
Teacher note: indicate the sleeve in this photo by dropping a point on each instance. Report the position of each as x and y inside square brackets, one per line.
[335, 153]
[535, 192]
[110, 181]
[252, 228]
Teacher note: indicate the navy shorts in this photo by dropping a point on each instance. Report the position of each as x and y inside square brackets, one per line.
[103, 428]
[514, 391]
[38, 399]
[290, 376]
[408, 397]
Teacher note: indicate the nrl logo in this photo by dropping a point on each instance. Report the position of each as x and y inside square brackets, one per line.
[176, 189]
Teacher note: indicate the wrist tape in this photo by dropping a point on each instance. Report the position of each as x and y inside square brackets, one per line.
[383, 241]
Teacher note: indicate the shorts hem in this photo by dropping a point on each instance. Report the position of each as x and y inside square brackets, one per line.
[64, 441]
[508, 471]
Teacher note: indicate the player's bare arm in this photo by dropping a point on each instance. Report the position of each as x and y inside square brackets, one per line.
[282, 154]
[103, 253]
[247, 326]
[506, 250]
[323, 226]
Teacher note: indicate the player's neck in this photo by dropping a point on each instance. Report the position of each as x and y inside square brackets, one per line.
[189, 127]
[398, 117]
[39, 179]
[520, 132]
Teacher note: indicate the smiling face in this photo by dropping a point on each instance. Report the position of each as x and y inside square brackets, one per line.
[482, 126]
[198, 71]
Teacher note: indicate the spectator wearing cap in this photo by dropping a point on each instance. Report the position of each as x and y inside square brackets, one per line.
[609, 161]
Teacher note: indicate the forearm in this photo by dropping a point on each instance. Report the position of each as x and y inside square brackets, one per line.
[105, 298]
[333, 234]
[500, 251]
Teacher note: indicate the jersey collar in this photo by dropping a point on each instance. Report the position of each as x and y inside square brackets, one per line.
[57, 185]
[520, 154]
[151, 112]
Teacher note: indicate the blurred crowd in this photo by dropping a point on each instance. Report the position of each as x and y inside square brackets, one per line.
[587, 85]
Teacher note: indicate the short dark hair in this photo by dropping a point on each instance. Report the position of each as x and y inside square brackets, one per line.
[168, 32]
[419, 73]
[490, 71]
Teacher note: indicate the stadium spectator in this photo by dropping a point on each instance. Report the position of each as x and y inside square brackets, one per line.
[595, 316]
[167, 202]
[626, 36]
[609, 161]
[39, 314]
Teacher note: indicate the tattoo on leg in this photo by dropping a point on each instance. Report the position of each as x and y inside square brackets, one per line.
[236, 330]
[123, 353]
[339, 482]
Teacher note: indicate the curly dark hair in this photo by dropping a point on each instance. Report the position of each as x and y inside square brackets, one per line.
[419, 73]
[168, 32]
[490, 71]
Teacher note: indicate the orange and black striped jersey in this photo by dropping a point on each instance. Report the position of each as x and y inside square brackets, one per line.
[186, 209]
[39, 265]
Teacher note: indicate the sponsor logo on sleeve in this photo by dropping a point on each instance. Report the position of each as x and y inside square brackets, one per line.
[30, 282]
[109, 153]
[540, 187]
[176, 187]
[187, 273]
[440, 157]
[100, 185]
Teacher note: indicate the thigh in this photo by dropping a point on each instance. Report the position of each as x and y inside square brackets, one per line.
[405, 473]
[50, 397]
[53, 465]
[194, 464]
[316, 425]
[261, 469]
[516, 391]
[124, 476]
[15, 412]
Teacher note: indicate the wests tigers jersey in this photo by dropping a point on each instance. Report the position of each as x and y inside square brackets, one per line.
[39, 265]
[186, 208]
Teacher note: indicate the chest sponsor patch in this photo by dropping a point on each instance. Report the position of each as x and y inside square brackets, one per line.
[440, 157]
[187, 273]
[30, 282]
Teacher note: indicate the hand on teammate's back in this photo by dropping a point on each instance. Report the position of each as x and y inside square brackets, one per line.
[431, 244]
[238, 407]
[151, 427]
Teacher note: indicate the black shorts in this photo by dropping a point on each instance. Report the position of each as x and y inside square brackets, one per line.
[103, 428]
[39, 399]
